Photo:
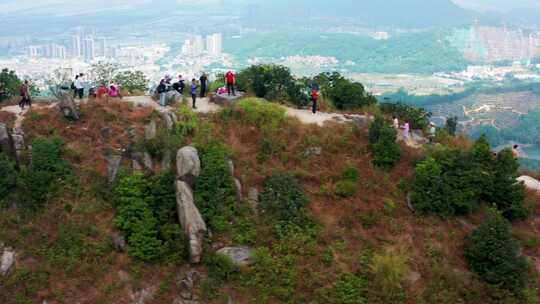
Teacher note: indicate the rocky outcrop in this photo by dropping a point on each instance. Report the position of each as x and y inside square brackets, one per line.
[113, 161]
[67, 107]
[150, 130]
[253, 198]
[8, 259]
[530, 183]
[144, 295]
[119, 242]
[6, 142]
[188, 165]
[166, 161]
[225, 99]
[238, 188]
[170, 119]
[191, 220]
[240, 256]
[186, 284]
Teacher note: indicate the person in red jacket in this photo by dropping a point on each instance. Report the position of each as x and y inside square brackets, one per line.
[24, 91]
[314, 98]
[230, 80]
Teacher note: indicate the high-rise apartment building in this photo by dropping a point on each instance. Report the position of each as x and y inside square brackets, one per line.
[89, 49]
[76, 47]
[214, 44]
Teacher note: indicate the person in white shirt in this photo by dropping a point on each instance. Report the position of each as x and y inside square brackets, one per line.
[432, 132]
[79, 86]
[396, 123]
[406, 131]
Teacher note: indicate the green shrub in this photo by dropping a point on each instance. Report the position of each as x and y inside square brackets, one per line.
[262, 113]
[220, 267]
[386, 151]
[350, 174]
[346, 188]
[454, 181]
[131, 81]
[349, 289]
[146, 212]
[375, 129]
[188, 121]
[8, 178]
[283, 200]
[417, 117]
[42, 178]
[215, 193]
[273, 82]
[492, 252]
[451, 125]
[389, 271]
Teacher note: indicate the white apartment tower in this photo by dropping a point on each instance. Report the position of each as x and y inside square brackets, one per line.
[89, 49]
[214, 44]
[76, 48]
[102, 47]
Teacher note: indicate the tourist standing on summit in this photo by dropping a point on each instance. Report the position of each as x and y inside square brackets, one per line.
[79, 86]
[194, 92]
[24, 91]
[314, 98]
[230, 80]
[204, 84]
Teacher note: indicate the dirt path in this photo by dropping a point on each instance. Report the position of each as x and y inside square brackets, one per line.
[20, 113]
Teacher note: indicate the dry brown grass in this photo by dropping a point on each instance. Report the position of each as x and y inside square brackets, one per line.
[7, 118]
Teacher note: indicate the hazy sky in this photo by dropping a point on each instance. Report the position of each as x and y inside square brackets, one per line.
[15, 5]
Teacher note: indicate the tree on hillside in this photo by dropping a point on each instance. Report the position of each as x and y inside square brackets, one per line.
[344, 93]
[451, 125]
[416, 116]
[132, 82]
[383, 143]
[507, 193]
[103, 72]
[492, 252]
[9, 84]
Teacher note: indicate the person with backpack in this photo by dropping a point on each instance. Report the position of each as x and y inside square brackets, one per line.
[180, 85]
[74, 87]
[24, 91]
[162, 91]
[194, 92]
[230, 80]
[314, 98]
[204, 84]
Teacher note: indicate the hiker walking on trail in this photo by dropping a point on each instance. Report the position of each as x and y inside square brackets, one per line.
[230, 80]
[314, 99]
[24, 91]
[194, 92]
[162, 91]
[204, 84]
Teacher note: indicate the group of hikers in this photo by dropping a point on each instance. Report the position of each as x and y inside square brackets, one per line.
[202, 85]
[103, 90]
[406, 130]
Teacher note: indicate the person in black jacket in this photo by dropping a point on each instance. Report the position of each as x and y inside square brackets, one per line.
[204, 83]
[162, 91]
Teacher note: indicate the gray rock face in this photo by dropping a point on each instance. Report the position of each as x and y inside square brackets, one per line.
[150, 130]
[142, 161]
[144, 295]
[230, 164]
[191, 220]
[313, 151]
[18, 143]
[188, 165]
[113, 164]
[6, 142]
[8, 259]
[148, 163]
[119, 242]
[238, 188]
[240, 256]
[169, 118]
[186, 285]
[166, 161]
[67, 107]
[253, 198]
[225, 99]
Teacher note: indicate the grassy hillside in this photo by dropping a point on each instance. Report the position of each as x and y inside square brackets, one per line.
[345, 236]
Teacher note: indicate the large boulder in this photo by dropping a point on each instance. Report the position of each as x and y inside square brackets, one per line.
[225, 99]
[67, 107]
[240, 256]
[530, 183]
[169, 118]
[8, 259]
[113, 161]
[191, 220]
[188, 165]
[6, 142]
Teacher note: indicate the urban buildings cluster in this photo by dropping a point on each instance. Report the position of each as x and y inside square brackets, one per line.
[86, 48]
[213, 45]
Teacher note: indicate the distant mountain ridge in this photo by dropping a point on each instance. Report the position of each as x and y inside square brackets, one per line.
[391, 13]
